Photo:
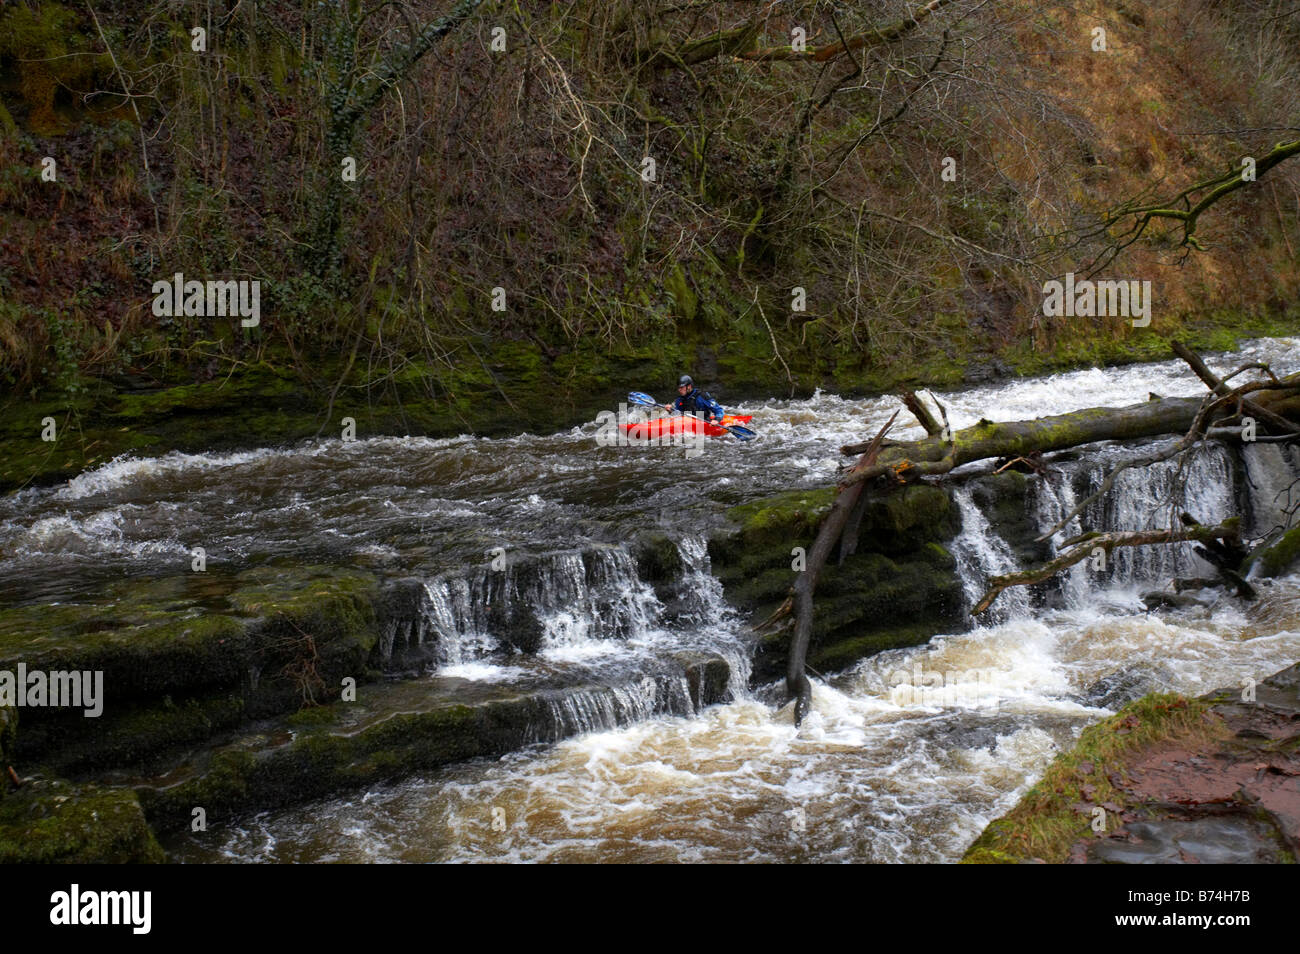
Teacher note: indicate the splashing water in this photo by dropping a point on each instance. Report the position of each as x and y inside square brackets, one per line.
[904, 757]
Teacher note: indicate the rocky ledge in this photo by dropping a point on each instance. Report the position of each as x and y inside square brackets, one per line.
[1167, 779]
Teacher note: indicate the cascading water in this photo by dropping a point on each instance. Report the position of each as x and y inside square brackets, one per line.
[551, 620]
[1143, 497]
[709, 614]
[550, 603]
[1053, 499]
[982, 554]
[1150, 498]
[1272, 487]
[874, 773]
[605, 708]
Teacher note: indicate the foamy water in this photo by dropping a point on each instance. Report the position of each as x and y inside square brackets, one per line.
[905, 757]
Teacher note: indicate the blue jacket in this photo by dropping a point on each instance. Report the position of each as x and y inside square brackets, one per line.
[699, 403]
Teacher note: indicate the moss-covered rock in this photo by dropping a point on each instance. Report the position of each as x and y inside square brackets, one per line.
[657, 558]
[1001, 498]
[52, 821]
[794, 515]
[899, 588]
[131, 734]
[391, 731]
[1159, 763]
[907, 519]
[1279, 558]
[188, 656]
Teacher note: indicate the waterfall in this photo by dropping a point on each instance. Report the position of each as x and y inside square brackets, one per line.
[1271, 488]
[1054, 497]
[555, 600]
[1143, 497]
[1148, 497]
[981, 553]
[651, 650]
[608, 707]
[580, 598]
[708, 612]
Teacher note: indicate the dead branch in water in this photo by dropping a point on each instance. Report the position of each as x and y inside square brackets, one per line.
[845, 501]
[1088, 544]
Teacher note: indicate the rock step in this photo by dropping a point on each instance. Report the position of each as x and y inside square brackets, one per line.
[399, 729]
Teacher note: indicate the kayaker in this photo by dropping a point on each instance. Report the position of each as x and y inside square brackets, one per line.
[691, 400]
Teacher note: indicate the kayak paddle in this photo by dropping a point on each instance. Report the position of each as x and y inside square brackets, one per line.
[644, 400]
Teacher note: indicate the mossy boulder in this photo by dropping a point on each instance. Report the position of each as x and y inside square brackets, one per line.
[899, 588]
[784, 518]
[53, 821]
[1278, 558]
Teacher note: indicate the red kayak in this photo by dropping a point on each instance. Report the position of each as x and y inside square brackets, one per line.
[668, 426]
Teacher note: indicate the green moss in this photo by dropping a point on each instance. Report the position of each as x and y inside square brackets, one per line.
[188, 656]
[142, 648]
[55, 822]
[846, 652]
[678, 288]
[313, 716]
[320, 758]
[657, 557]
[1044, 823]
[906, 519]
[129, 734]
[870, 589]
[51, 52]
[1280, 557]
[784, 518]
[899, 588]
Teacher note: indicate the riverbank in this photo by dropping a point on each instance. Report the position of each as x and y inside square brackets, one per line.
[502, 389]
[1168, 779]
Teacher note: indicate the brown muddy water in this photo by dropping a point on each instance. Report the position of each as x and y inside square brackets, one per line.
[904, 758]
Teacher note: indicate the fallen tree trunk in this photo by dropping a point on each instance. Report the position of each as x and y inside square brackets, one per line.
[1087, 545]
[1019, 438]
[796, 679]
[1220, 387]
[942, 450]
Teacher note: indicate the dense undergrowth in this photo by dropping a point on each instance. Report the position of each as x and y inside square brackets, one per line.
[525, 169]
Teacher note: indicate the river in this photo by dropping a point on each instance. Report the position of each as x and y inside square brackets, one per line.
[879, 771]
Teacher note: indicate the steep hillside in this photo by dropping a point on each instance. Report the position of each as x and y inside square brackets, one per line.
[641, 187]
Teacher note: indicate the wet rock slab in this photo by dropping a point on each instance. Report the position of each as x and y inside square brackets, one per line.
[1238, 840]
[397, 729]
[1232, 800]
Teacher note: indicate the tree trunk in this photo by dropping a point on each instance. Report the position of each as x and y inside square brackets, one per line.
[832, 527]
[1019, 438]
